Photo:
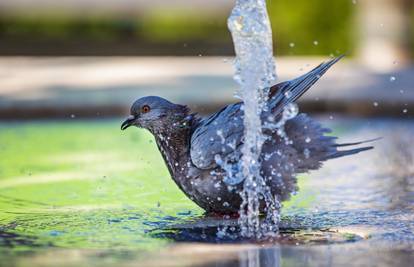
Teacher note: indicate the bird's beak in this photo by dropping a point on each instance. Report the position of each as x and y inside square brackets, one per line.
[128, 122]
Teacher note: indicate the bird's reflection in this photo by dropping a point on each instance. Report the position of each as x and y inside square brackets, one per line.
[260, 257]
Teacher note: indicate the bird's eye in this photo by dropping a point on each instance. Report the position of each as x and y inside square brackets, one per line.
[145, 109]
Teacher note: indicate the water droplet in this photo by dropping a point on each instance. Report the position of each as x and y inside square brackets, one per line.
[221, 135]
[221, 233]
[290, 111]
[288, 94]
[393, 79]
[218, 159]
[306, 152]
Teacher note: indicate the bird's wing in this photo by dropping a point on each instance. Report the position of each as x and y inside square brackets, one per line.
[218, 135]
[287, 92]
[222, 133]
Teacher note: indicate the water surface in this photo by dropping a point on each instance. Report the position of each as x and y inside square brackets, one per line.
[81, 193]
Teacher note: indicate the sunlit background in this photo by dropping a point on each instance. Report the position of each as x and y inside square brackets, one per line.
[83, 58]
[71, 181]
[43, 45]
[181, 27]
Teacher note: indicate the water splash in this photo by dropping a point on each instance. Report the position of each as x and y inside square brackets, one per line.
[255, 72]
[290, 111]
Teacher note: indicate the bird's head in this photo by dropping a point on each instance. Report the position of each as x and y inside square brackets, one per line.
[156, 114]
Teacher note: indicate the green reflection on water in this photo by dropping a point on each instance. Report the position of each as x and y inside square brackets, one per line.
[86, 184]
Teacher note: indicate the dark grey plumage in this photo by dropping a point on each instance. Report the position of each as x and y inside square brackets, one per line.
[190, 145]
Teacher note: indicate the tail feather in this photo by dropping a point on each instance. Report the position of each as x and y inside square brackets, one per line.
[287, 92]
[311, 144]
[343, 153]
[358, 143]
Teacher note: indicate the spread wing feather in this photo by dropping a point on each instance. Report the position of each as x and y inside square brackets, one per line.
[219, 134]
[222, 133]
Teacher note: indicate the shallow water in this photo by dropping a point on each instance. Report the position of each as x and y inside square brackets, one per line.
[83, 193]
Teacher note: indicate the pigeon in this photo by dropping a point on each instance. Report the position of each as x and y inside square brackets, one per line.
[198, 151]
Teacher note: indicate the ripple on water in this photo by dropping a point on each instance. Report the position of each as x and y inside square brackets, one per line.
[371, 192]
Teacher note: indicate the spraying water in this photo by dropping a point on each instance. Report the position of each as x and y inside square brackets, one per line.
[255, 72]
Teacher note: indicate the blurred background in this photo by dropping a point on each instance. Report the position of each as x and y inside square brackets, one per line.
[87, 57]
[71, 180]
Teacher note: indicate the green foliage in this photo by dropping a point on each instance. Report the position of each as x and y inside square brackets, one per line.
[65, 27]
[165, 26]
[300, 27]
[314, 27]
[330, 23]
